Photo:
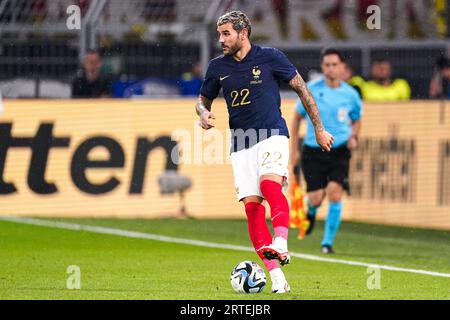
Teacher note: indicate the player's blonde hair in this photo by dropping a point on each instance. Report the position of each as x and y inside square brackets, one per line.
[238, 20]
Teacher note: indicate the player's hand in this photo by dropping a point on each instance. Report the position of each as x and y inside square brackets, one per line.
[352, 143]
[325, 140]
[207, 120]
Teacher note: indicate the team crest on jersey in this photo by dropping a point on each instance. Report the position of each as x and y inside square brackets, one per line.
[256, 73]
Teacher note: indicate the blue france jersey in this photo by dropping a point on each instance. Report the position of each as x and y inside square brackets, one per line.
[338, 108]
[251, 88]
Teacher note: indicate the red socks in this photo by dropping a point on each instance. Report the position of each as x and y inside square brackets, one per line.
[256, 218]
[279, 207]
[259, 231]
[257, 225]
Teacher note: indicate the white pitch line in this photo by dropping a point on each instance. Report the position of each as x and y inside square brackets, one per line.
[156, 237]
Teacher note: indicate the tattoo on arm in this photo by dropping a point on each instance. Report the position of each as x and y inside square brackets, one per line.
[299, 86]
[203, 104]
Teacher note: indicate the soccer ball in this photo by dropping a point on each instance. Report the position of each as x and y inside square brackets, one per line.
[248, 277]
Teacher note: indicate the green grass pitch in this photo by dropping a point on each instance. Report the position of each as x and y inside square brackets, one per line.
[34, 261]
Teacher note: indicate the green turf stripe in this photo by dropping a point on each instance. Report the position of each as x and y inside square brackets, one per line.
[141, 235]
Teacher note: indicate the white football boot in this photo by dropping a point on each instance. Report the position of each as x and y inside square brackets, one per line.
[279, 283]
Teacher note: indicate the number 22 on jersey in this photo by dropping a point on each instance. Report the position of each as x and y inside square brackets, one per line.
[240, 98]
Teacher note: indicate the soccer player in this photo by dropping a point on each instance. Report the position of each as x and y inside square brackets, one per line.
[327, 173]
[249, 76]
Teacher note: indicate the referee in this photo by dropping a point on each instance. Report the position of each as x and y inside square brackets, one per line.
[326, 173]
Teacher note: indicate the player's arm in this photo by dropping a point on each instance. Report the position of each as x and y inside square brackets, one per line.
[324, 139]
[203, 109]
[352, 142]
[355, 117]
[208, 92]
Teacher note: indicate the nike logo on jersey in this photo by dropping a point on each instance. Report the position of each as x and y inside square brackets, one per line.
[223, 78]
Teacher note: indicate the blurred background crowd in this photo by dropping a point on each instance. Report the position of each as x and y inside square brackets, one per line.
[160, 48]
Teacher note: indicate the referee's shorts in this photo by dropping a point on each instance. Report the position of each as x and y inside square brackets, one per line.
[319, 167]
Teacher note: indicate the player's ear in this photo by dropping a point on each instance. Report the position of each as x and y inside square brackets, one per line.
[244, 33]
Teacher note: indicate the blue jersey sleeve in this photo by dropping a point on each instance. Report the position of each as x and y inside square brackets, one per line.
[211, 85]
[356, 112]
[282, 67]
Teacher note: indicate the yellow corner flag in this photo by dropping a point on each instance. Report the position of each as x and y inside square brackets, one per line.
[298, 213]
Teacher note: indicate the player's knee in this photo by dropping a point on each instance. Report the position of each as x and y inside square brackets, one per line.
[272, 177]
[335, 196]
[335, 192]
[249, 199]
[316, 198]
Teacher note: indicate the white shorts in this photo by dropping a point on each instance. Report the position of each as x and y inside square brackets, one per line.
[270, 156]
